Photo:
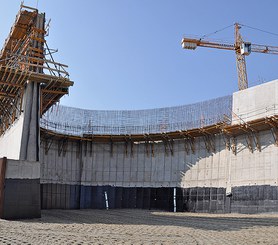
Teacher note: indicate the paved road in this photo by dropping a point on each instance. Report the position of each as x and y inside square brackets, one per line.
[140, 227]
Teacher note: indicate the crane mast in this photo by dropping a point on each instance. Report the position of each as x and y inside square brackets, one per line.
[240, 47]
[240, 60]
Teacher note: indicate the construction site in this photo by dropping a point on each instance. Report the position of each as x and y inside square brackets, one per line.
[215, 156]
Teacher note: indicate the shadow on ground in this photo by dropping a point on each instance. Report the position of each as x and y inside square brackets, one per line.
[213, 222]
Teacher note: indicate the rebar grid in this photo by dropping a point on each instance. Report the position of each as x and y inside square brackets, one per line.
[75, 121]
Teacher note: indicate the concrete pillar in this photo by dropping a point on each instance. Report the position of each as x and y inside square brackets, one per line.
[31, 125]
[30, 133]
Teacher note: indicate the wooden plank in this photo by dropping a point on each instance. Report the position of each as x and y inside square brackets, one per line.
[11, 84]
[36, 77]
[38, 30]
[3, 94]
[54, 91]
[44, 67]
[43, 61]
[40, 40]
[36, 49]
[27, 7]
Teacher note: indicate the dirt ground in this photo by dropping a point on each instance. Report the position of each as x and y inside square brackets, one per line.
[140, 227]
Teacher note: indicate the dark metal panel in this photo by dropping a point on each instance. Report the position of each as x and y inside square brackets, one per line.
[179, 199]
[98, 197]
[85, 196]
[159, 197]
[112, 197]
[53, 195]
[170, 201]
[77, 196]
[88, 196]
[268, 193]
[163, 197]
[200, 193]
[119, 197]
[3, 163]
[255, 193]
[275, 193]
[82, 196]
[192, 200]
[153, 200]
[139, 197]
[186, 199]
[73, 197]
[228, 205]
[63, 196]
[132, 197]
[147, 198]
[261, 192]
[125, 202]
[58, 196]
[207, 194]
[43, 196]
[22, 199]
[213, 206]
[49, 196]
[254, 199]
[68, 197]
[93, 196]
[213, 193]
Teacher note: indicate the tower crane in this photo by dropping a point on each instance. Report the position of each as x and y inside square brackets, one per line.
[240, 47]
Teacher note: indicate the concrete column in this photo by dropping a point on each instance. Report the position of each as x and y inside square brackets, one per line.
[30, 133]
[31, 126]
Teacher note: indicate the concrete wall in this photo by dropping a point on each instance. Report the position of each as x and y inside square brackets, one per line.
[89, 169]
[22, 190]
[255, 102]
[21, 140]
[77, 174]
[10, 141]
[224, 169]
[94, 165]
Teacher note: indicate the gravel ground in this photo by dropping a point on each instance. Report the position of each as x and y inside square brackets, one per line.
[140, 227]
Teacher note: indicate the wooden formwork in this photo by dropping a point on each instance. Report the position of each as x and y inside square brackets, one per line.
[25, 57]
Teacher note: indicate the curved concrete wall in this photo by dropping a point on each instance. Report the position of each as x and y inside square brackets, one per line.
[88, 169]
[77, 174]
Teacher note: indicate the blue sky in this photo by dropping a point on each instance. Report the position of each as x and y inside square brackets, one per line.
[126, 54]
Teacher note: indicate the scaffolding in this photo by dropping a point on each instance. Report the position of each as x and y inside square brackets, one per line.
[26, 57]
[79, 122]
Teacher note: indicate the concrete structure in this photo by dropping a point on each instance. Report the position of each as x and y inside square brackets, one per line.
[240, 178]
[30, 83]
[214, 156]
[257, 102]
[12, 137]
[20, 189]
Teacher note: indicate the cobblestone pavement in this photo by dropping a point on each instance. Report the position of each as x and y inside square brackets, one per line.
[140, 227]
